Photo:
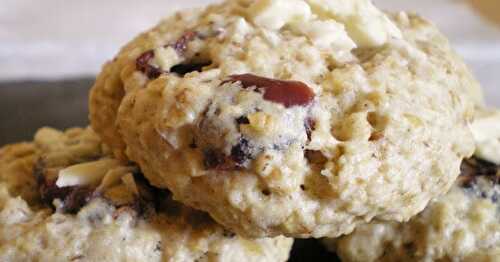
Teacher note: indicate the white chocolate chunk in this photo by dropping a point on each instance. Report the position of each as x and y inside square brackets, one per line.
[326, 34]
[274, 14]
[239, 29]
[486, 131]
[166, 58]
[90, 173]
[365, 24]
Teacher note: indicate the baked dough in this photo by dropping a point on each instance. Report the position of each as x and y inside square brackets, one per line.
[463, 225]
[105, 210]
[302, 118]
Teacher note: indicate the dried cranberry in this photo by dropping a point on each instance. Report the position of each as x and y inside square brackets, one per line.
[181, 44]
[49, 191]
[77, 198]
[216, 159]
[73, 198]
[310, 126]
[143, 64]
[287, 93]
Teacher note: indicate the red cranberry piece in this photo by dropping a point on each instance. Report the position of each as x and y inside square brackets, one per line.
[78, 197]
[181, 44]
[143, 64]
[73, 198]
[287, 93]
[217, 160]
[310, 126]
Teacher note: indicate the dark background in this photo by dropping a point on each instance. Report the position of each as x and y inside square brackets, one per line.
[28, 105]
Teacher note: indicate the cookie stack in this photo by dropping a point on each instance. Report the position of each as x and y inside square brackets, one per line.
[224, 132]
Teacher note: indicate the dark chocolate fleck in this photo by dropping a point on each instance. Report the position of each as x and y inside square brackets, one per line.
[242, 120]
[228, 234]
[216, 159]
[158, 247]
[193, 145]
[183, 69]
[474, 167]
[240, 153]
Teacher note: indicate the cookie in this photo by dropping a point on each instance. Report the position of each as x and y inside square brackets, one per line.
[97, 208]
[302, 118]
[463, 225]
[16, 161]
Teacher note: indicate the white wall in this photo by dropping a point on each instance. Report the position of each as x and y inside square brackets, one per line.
[64, 38]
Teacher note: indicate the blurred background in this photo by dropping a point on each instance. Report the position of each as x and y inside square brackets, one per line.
[51, 50]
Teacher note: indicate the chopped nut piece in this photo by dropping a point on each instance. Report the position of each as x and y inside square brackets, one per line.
[129, 182]
[85, 174]
[114, 176]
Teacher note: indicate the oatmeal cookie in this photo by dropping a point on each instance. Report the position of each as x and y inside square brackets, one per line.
[98, 208]
[16, 161]
[295, 117]
[463, 225]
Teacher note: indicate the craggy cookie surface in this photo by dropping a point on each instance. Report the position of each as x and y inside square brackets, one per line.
[16, 163]
[97, 208]
[463, 225]
[301, 118]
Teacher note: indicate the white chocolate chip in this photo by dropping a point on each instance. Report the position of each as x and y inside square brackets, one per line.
[90, 173]
[274, 14]
[166, 58]
[365, 24]
[486, 131]
[326, 34]
[238, 30]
